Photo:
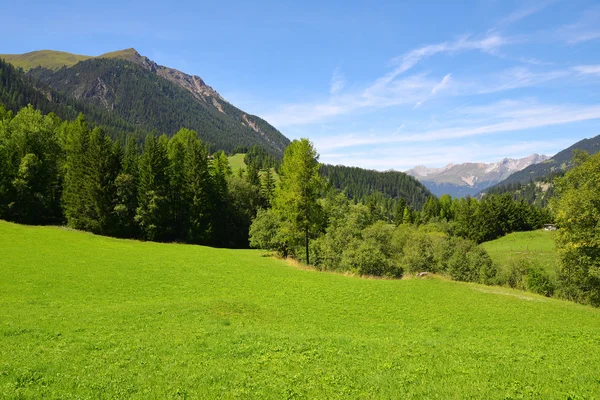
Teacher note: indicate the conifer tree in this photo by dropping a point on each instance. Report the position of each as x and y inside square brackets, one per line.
[126, 190]
[267, 187]
[252, 175]
[77, 137]
[199, 183]
[153, 208]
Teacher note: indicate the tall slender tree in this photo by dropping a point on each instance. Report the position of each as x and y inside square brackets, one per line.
[299, 189]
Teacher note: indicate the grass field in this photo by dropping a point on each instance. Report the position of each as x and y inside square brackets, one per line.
[236, 162]
[83, 316]
[535, 245]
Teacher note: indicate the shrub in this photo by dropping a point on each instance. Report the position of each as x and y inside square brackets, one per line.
[365, 257]
[525, 274]
[418, 253]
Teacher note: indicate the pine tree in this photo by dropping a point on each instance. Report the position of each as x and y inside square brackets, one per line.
[267, 187]
[252, 174]
[126, 190]
[153, 210]
[199, 183]
[77, 137]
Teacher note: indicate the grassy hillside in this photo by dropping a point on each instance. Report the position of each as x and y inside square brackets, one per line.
[55, 60]
[236, 162]
[50, 59]
[83, 316]
[535, 245]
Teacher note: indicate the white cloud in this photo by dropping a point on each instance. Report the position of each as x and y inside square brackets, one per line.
[530, 8]
[588, 69]
[442, 85]
[385, 91]
[337, 82]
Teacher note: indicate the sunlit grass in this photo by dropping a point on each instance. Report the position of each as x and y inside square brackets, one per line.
[83, 316]
[537, 246]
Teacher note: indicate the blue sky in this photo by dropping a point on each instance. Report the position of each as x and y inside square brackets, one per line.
[383, 86]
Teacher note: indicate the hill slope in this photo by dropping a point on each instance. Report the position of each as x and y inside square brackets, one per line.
[459, 180]
[149, 96]
[558, 163]
[360, 183]
[88, 316]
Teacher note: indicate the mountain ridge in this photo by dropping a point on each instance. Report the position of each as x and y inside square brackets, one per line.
[470, 178]
[557, 164]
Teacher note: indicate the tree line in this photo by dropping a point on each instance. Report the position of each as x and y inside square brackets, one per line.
[326, 229]
[63, 172]
[321, 225]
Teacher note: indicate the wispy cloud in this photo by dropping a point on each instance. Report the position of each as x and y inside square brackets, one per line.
[337, 82]
[588, 69]
[442, 85]
[388, 90]
[530, 8]
[584, 30]
[436, 156]
[490, 119]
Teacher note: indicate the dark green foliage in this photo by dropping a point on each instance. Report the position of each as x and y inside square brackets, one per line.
[126, 185]
[493, 216]
[30, 182]
[385, 188]
[53, 171]
[153, 190]
[261, 158]
[538, 192]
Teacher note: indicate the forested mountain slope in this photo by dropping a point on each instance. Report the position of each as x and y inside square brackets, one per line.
[360, 183]
[143, 95]
[17, 90]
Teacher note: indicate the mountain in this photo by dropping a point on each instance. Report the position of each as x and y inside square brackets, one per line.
[557, 164]
[534, 184]
[146, 96]
[459, 180]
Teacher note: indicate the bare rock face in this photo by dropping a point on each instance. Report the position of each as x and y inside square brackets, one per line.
[192, 83]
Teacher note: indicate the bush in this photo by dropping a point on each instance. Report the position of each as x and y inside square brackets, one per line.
[418, 253]
[365, 257]
[459, 267]
[525, 274]
[471, 263]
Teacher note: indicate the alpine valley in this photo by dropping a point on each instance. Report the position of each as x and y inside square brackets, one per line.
[468, 179]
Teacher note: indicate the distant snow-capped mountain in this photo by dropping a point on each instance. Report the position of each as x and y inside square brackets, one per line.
[460, 180]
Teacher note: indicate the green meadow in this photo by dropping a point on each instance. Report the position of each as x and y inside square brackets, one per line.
[236, 162]
[537, 246]
[90, 317]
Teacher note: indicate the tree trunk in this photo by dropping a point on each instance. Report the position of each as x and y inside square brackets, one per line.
[306, 244]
